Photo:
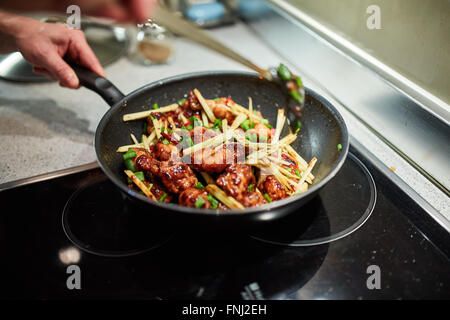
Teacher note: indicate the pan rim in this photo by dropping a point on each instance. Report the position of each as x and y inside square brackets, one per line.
[219, 213]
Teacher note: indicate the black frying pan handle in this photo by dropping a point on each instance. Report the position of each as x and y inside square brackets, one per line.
[98, 84]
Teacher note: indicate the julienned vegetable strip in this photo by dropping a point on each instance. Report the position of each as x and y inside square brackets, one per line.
[205, 105]
[230, 202]
[145, 114]
[140, 184]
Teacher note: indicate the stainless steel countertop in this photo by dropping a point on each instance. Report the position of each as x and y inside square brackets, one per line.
[44, 128]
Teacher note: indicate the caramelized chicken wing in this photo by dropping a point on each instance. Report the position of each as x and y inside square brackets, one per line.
[236, 179]
[189, 197]
[158, 191]
[274, 189]
[176, 176]
[222, 112]
[166, 152]
[216, 160]
[253, 199]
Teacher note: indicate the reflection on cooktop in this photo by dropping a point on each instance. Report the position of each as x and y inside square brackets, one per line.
[341, 207]
[126, 252]
[100, 220]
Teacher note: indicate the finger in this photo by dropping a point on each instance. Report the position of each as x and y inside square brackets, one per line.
[82, 52]
[59, 69]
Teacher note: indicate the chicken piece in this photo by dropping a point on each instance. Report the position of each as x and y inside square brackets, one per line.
[253, 199]
[147, 163]
[166, 152]
[216, 160]
[262, 131]
[176, 176]
[236, 179]
[200, 134]
[189, 197]
[274, 189]
[221, 111]
[193, 102]
[158, 191]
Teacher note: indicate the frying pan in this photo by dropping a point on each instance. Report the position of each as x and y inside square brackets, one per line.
[323, 128]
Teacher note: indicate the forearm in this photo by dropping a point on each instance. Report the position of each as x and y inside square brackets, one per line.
[13, 28]
[8, 30]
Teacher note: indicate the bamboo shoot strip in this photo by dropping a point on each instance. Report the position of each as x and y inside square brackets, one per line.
[125, 148]
[208, 178]
[205, 105]
[307, 172]
[145, 114]
[230, 202]
[140, 184]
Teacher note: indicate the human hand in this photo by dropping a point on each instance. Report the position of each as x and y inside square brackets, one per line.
[45, 45]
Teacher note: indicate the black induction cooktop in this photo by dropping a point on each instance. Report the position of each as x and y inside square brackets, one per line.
[361, 225]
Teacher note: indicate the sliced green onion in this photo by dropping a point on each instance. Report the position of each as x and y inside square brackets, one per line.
[216, 99]
[200, 186]
[289, 169]
[252, 137]
[213, 201]
[130, 165]
[150, 186]
[297, 173]
[299, 82]
[162, 197]
[140, 175]
[199, 202]
[129, 154]
[297, 126]
[296, 96]
[163, 129]
[217, 123]
[246, 125]
[339, 147]
[196, 121]
[267, 197]
[165, 141]
[152, 117]
[266, 123]
[284, 72]
[155, 106]
[181, 101]
[251, 188]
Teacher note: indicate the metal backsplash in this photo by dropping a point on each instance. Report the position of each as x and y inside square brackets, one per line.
[419, 135]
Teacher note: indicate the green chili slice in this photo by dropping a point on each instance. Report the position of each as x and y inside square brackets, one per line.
[129, 154]
[199, 202]
[200, 186]
[284, 72]
[130, 165]
[162, 197]
[140, 175]
[213, 201]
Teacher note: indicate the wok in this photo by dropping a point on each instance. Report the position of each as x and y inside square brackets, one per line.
[323, 128]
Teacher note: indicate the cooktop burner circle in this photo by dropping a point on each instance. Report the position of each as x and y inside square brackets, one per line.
[340, 209]
[100, 220]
